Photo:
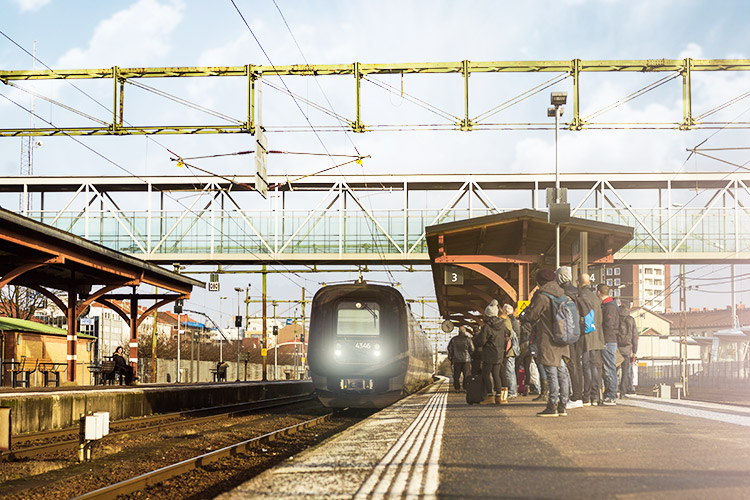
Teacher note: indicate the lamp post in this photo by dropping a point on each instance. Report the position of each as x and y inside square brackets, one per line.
[221, 334]
[557, 100]
[238, 324]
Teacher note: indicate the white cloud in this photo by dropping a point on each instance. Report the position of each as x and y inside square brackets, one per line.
[692, 50]
[31, 5]
[137, 36]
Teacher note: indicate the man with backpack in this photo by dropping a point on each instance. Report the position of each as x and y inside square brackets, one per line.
[543, 313]
[575, 361]
[492, 340]
[593, 343]
[460, 348]
[625, 335]
[610, 327]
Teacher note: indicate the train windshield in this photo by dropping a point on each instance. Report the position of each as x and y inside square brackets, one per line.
[358, 318]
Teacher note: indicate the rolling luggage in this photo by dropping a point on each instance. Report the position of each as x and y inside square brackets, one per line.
[474, 389]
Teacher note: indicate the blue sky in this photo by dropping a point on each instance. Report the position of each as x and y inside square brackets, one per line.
[75, 34]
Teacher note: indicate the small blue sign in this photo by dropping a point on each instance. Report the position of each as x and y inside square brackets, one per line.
[289, 321]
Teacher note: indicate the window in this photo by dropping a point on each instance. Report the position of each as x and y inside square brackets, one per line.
[609, 282]
[616, 292]
[609, 271]
[617, 271]
[648, 270]
[358, 318]
[617, 281]
[657, 272]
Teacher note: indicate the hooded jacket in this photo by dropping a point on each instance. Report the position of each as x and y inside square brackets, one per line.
[460, 349]
[491, 338]
[626, 333]
[610, 320]
[539, 314]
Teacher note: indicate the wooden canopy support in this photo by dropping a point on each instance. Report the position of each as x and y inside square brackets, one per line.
[494, 277]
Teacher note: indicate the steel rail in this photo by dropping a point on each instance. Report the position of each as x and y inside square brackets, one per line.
[34, 451]
[141, 482]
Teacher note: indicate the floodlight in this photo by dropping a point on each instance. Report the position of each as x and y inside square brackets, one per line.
[558, 98]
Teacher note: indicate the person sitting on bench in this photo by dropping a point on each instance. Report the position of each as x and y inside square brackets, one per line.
[122, 366]
[221, 371]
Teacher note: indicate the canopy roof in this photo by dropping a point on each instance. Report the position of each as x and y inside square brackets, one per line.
[498, 253]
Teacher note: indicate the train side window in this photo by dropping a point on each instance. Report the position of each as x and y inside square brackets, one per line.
[358, 318]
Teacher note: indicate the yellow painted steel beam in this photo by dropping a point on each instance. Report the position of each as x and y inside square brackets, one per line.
[644, 65]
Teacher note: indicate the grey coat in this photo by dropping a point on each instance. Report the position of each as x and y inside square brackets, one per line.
[539, 314]
[460, 349]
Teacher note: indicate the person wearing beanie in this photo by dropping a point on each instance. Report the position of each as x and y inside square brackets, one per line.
[575, 361]
[539, 314]
[491, 339]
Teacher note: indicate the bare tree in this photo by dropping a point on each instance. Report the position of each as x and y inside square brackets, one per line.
[20, 302]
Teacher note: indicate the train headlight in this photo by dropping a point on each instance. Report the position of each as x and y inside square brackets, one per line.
[337, 350]
[376, 351]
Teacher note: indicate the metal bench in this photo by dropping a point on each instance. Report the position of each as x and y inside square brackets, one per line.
[50, 371]
[20, 371]
[108, 374]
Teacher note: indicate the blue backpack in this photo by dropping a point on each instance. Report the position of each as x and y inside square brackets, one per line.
[566, 327]
[588, 322]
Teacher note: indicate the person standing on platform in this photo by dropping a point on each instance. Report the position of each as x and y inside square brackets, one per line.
[460, 349]
[631, 389]
[476, 356]
[593, 343]
[625, 346]
[610, 327]
[491, 339]
[540, 314]
[511, 354]
[122, 366]
[574, 363]
[525, 360]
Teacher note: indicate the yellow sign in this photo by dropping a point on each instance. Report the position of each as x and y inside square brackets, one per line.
[264, 352]
[303, 361]
[522, 304]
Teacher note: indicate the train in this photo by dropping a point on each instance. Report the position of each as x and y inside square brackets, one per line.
[365, 349]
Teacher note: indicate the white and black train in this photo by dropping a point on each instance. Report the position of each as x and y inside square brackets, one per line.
[365, 349]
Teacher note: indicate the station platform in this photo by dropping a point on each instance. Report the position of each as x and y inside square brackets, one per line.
[59, 408]
[433, 445]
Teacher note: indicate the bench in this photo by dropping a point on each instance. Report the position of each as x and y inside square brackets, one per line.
[20, 371]
[107, 374]
[50, 371]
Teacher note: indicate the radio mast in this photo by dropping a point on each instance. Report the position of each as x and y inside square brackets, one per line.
[25, 202]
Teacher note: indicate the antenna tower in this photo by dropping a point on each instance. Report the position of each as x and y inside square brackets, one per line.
[25, 202]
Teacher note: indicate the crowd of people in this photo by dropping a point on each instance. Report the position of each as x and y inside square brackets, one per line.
[565, 347]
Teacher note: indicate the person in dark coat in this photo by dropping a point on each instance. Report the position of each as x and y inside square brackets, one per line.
[491, 339]
[122, 366]
[575, 361]
[593, 343]
[631, 389]
[610, 327]
[460, 349]
[540, 314]
[625, 346]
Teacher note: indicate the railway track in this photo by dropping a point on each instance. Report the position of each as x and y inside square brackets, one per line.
[143, 481]
[143, 425]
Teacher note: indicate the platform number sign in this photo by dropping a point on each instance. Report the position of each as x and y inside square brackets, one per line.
[454, 275]
[213, 284]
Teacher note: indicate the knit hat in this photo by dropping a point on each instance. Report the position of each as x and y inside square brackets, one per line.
[545, 276]
[491, 309]
[564, 275]
[508, 309]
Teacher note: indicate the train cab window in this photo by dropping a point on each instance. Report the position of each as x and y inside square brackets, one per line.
[358, 318]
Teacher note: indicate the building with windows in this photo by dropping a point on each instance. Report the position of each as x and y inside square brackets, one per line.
[642, 285]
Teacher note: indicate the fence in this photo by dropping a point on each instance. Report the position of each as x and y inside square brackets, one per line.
[724, 374]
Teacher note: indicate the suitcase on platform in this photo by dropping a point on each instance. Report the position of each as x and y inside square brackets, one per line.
[474, 389]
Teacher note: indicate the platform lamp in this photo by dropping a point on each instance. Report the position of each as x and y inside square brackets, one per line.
[238, 324]
[559, 209]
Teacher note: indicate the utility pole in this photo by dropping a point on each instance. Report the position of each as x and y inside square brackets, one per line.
[238, 324]
[683, 332]
[264, 343]
[304, 337]
[153, 347]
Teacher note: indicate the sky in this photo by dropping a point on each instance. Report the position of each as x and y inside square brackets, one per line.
[78, 34]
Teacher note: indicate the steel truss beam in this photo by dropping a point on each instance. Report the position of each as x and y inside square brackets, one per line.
[345, 228]
[574, 69]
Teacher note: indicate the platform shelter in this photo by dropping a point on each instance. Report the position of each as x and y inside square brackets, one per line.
[478, 259]
[73, 273]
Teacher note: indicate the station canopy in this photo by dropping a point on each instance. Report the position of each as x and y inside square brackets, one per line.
[496, 256]
[44, 259]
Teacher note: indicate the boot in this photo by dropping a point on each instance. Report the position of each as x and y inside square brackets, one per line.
[502, 398]
[544, 394]
[549, 411]
[561, 411]
[489, 399]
